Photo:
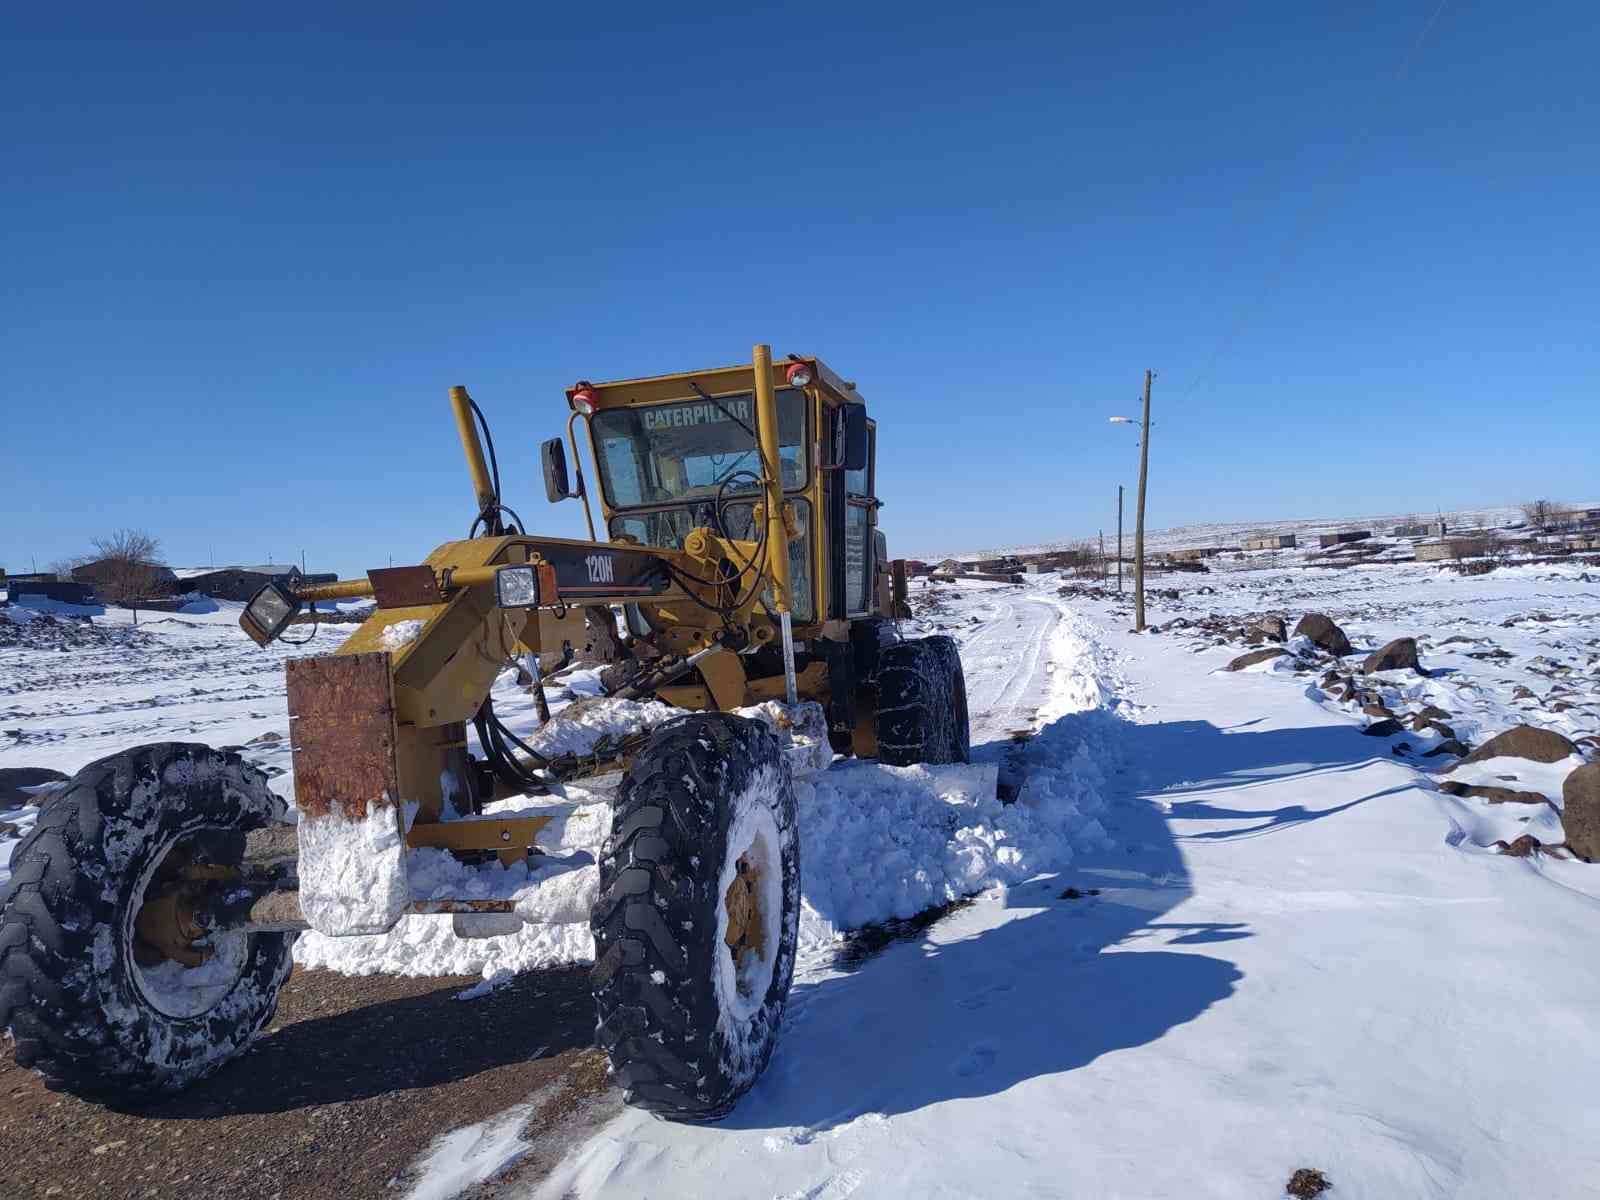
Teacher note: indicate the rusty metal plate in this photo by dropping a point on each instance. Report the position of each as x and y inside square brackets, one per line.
[341, 729]
[404, 587]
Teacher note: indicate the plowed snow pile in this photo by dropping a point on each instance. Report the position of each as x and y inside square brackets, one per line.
[877, 842]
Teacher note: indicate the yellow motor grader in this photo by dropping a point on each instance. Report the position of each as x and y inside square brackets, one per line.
[149, 918]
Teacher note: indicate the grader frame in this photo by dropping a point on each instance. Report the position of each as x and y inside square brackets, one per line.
[378, 728]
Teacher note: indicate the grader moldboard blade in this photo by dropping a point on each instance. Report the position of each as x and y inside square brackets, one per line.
[352, 829]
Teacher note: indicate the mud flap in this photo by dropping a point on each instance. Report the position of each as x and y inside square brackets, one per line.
[352, 823]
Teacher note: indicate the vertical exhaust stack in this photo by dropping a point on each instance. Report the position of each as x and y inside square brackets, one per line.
[772, 478]
[482, 485]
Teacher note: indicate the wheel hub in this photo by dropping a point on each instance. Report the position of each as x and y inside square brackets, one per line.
[746, 936]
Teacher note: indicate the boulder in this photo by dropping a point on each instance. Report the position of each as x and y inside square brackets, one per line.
[1324, 633]
[1270, 629]
[1525, 741]
[1524, 847]
[1398, 655]
[1254, 657]
[1495, 795]
[1434, 711]
[1385, 728]
[1377, 708]
[1420, 722]
[1580, 811]
[1448, 746]
[14, 779]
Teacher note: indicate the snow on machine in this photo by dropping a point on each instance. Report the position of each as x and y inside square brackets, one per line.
[150, 915]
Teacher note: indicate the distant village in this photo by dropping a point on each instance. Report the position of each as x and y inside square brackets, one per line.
[156, 585]
[1542, 533]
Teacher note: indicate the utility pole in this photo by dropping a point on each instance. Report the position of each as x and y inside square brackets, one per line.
[1138, 529]
[1119, 539]
[1102, 556]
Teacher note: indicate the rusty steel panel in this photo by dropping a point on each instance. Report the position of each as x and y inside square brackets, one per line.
[341, 729]
[404, 587]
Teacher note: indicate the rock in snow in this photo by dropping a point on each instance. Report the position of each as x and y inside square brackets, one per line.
[14, 781]
[1525, 741]
[1255, 656]
[1396, 656]
[1580, 811]
[1325, 633]
[1491, 793]
[1267, 629]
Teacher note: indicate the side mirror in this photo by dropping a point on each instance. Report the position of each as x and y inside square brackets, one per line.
[854, 432]
[847, 447]
[556, 484]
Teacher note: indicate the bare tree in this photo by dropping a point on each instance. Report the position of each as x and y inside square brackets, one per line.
[62, 567]
[128, 566]
[1082, 558]
[1542, 514]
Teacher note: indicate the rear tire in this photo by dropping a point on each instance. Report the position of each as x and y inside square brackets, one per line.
[87, 1011]
[698, 916]
[922, 703]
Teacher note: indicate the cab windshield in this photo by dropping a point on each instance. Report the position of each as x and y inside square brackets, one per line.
[689, 450]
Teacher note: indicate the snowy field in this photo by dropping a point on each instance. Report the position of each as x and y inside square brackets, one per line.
[1218, 935]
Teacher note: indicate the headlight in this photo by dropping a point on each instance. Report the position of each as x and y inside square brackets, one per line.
[268, 614]
[517, 587]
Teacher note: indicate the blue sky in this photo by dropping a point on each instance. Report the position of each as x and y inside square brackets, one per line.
[245, 261]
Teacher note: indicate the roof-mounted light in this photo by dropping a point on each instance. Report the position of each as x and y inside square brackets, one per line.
[799, 374]
[584, 398]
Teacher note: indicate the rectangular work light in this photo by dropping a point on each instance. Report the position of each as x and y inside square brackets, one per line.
[268, 614]
[517, 587]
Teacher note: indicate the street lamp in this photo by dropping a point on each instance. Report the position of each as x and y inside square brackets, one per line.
[1138, 531]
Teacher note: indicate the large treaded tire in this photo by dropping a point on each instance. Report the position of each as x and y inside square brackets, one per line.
[78, 1005]
[680, 1042]
[922, 703]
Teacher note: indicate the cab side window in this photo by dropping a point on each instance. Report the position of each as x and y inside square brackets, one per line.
[858, 521]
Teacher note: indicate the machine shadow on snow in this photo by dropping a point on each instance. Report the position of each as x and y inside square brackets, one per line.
[1183, 760]
[1039, 994]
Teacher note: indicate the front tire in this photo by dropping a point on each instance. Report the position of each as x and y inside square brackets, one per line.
[698, 916]
[91, 1007]
[922, 703]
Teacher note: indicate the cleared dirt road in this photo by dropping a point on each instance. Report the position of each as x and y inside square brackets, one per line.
[354, 1080]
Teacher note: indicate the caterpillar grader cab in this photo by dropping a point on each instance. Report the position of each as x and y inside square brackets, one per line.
[741, 577]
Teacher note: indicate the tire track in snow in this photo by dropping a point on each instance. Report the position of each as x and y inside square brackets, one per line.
[1006, 699]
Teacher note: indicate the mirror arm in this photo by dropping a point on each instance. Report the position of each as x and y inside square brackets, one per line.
[577, 466]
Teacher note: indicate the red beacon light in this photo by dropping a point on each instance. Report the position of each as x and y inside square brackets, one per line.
[584, 398]
[799, 374]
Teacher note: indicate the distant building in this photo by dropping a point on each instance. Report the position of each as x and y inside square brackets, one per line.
[1434, 529]
[1450, 548]
[46, 587]
[159, 578]
[1194, 554]
[1271, 541]
[241, 583]
[1344, 537]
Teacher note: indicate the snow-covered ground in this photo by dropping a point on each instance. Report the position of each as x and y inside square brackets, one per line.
[1219, 934]
[1300, 955]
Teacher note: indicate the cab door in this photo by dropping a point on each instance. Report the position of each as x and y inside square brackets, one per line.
[853, 517]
